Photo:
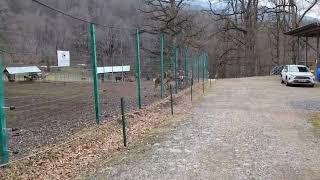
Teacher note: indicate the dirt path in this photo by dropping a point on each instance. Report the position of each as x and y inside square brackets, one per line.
[244, 129]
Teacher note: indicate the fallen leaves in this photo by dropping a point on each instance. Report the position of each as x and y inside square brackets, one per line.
[81, 152]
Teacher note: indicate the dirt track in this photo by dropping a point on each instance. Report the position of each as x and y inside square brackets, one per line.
[244, 129]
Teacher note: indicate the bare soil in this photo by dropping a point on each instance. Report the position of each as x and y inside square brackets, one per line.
[48, 112]
[87, 149]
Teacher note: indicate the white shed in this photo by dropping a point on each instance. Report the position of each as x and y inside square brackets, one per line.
[32, 71]
[22, 70]
[113, 69]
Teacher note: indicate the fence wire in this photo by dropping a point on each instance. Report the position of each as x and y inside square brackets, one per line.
[58, 102]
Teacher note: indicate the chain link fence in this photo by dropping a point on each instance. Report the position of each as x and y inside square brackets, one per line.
[105, 65]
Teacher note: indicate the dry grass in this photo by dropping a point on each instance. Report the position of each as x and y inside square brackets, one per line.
[82, 151]
[48, 112]
[315, 121]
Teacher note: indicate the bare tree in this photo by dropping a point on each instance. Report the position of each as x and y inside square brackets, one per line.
[241, 24]
[172, 18]
[246, 23]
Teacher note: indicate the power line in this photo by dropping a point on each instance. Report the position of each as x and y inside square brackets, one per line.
[76, 18]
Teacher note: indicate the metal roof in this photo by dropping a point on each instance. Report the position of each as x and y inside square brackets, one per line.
[110, 69]
[22, 70]
[310, 30]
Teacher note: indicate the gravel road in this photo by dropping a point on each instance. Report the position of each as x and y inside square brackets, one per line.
[250, 128]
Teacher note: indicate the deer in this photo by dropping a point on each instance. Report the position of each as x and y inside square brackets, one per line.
[166, 80]
[118, 78]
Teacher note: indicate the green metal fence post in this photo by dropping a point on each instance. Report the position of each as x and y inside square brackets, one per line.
[203, 70]
[94, 73]
[171, 100]
[191, 89]
[207, 65]
[198, 71]
[138, 68]
[122, 77]
[176, 51]
[186, 73]
[204, 66]
[124, 126]
[135, 70]
[161, 64]
[192, 69]
[4, 152]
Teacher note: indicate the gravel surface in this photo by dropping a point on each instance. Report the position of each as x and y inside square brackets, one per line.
[308, 105]
[244, 129]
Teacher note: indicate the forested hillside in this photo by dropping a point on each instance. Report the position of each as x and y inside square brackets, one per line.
[34, 32]
[243, 38]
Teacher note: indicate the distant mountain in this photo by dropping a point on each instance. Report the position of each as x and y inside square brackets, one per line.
[220, 6]
[201, 5]
[312, 19]
[197, 5]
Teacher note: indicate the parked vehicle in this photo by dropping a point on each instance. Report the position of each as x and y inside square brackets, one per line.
[297, 75]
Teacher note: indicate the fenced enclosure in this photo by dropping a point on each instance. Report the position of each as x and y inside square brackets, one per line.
[106, 64]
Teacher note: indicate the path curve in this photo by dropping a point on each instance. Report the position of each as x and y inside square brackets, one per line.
[247, 128]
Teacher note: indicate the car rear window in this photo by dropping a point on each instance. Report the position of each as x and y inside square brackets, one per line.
[299, 69]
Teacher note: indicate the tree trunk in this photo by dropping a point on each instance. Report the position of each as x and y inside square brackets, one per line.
[250, 20]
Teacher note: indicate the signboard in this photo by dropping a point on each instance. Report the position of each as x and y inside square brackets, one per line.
[63, 58]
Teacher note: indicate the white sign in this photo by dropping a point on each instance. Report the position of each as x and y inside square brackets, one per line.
[63, 58]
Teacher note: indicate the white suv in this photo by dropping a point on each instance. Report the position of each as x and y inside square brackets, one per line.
[297, 74]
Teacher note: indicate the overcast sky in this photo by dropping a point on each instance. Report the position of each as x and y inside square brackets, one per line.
[302, 5]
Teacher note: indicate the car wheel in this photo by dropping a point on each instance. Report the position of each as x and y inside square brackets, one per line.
[312, 85]
[287, 83]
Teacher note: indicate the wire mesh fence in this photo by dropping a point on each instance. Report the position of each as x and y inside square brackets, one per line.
[57, 102]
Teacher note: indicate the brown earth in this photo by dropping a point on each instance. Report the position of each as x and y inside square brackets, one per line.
[48, 112]
[82, 151]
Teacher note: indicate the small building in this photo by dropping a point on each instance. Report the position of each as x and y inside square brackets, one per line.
[308, 31]
[118, 71]
[30, 72]
[113, 69]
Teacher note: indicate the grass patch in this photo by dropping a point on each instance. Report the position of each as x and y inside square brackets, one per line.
[315, 121]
